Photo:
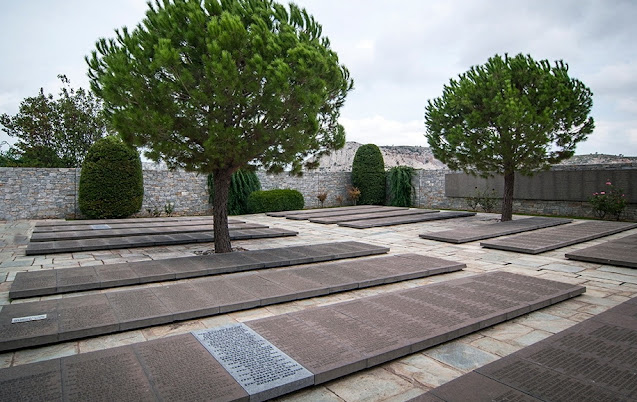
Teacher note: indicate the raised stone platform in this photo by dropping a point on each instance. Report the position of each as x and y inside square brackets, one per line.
[70, 246]
[320, 211]
[168, 219]
[103, 231]
[268, 357]
[401, 220]
[591, 361]
[621, 252]
[79, 225]
[473, 233]
[371, 215]
[544, 240]
[48, 282]
[45, 322]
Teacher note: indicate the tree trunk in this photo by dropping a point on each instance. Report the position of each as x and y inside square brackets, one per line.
[221, 181]
[507, 199]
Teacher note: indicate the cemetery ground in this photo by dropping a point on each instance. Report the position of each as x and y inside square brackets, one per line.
[396, 380]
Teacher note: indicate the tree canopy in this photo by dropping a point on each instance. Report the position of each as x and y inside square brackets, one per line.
[216, 85]
[512, 114]
[55, 132]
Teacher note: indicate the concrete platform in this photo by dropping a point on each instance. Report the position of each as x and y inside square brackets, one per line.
[371, 215]
[99, 314]
[269, 357]
[168, 219]
[621, 252]
[78, 225]
[69, 246]
[473, 233]
[401, 220]
[48, 282]
[334, 212]
[557, 237]
[104, 232]
[591, 361]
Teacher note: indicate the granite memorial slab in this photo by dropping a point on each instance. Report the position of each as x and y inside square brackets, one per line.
[262, 369]
[621, 252]
[307, 212]
[331, 212]
[543, 240]
[480, 232]
[138, 309]
[32, 382]
[85, 316]
[401, 220]
[370, 215]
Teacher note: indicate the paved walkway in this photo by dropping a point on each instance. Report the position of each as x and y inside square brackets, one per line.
[398, 380]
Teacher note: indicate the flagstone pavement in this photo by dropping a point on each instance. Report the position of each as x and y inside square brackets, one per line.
[399, 380]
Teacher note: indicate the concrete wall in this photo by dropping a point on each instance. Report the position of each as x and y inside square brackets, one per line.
[30, 193]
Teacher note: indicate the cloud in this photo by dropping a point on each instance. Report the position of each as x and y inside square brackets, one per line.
[611, 137]
[382, 131]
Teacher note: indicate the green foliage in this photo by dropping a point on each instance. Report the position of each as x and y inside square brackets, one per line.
[512, 114]
[275, 200]
[368, 175]
[485, 199]
[242, 184]
[56, 132]
[111, 181]
[400, 187]
[610, 202]
[214, 86]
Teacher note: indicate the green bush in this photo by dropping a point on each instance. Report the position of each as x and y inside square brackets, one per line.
[275, 200]
[242, 184]
[111, 181]
[368, 175]
[400, 187]
[610, 202]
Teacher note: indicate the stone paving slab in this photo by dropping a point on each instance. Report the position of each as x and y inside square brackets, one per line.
[473, 233]
[590, 361]
[400, 220]
[140, 231]
[99, 314]
[621, 252]
[48, 282]
[272, 356]
[553, 238]
[370, 215]
[109, 243]
[66, 226]
[308, 212]
[120, 221]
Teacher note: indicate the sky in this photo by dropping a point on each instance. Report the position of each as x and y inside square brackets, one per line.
[400, 54]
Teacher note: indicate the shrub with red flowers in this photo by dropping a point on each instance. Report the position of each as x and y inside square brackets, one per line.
[610, 202]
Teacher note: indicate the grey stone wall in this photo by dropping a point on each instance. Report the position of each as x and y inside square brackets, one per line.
[29, 193]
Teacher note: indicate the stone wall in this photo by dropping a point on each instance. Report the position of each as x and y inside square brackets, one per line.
[29, 193]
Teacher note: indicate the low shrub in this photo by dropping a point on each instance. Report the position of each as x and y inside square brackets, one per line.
[610, 202]
[275, 200]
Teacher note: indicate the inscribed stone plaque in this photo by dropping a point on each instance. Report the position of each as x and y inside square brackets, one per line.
[259, 367]
[100, 227]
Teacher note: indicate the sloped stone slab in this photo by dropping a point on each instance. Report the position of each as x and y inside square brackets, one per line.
[109, 243]
[480, 232]
[331, 213]
[401, 220]
[593, 360]
[557, 237]
[309, 212]
[32, 382]
[89, 315]
[621, 252]
[370, 215]
[42, 283]
[262, 369]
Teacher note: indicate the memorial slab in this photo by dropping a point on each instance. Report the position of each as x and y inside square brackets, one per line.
[326, 220]
[621, 252]
[402, 220]
[262, 369]
[32, 382]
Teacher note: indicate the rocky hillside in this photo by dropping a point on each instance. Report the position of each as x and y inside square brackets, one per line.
[416, 157]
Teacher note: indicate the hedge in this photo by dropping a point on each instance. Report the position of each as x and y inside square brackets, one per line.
[368, 175]
[275, 200]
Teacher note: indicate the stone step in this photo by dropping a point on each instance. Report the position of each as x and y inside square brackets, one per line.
[70, 318]
[544, 240]
[269, 357]
[590, 361]
[78, 225]
[108, 231]
[621, 252]
[371, 215]
[480, 232]
[48, 282]
[70, 246]
[308, 212]
[401, 220]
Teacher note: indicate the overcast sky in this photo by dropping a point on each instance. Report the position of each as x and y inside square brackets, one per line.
[399, 52]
